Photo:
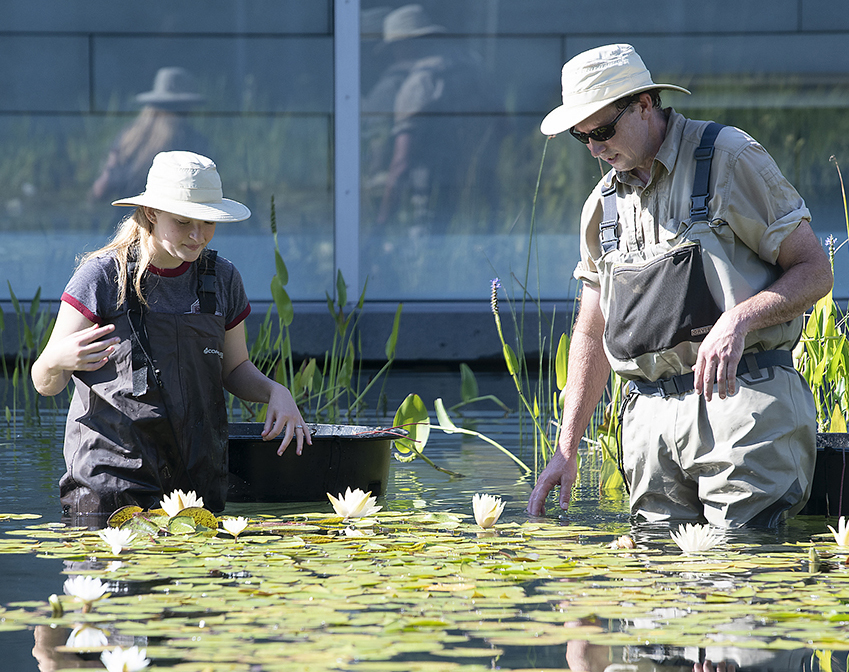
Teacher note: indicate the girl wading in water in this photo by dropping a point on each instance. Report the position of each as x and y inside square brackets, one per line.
[150, 331]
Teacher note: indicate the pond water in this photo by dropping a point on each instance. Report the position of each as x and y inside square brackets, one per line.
[425, 589]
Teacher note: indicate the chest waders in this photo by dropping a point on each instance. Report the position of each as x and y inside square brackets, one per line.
[154, 418]
[666, 301]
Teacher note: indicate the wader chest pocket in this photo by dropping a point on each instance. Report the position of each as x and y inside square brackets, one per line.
[658, 304]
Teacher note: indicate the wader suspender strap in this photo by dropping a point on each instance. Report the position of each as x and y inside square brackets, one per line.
[607, 229]
[139, 342]
[703, 155]
[206, 281]
[140, 347]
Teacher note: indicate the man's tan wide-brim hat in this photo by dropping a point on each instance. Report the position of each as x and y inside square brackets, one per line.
[597, 78]
[188, 185]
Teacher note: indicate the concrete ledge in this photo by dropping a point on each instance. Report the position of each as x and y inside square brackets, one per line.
[429, 332]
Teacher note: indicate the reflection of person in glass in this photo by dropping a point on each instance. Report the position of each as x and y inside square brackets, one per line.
[433, 153]
[161, 126]
[150, 329]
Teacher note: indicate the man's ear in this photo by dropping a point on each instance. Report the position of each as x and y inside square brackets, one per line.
[644, 101]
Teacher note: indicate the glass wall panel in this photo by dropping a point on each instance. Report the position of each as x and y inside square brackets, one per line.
[453, 94]
[451, 99]
[449, 154]
[259, 105]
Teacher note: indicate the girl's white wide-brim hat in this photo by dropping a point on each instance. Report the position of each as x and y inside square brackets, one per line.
[188, 185]
[596, 78]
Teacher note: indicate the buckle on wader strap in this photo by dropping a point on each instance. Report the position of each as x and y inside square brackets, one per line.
[752, 364]
[206, 281]
[607, 235]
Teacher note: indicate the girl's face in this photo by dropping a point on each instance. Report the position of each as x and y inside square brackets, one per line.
[176, 239]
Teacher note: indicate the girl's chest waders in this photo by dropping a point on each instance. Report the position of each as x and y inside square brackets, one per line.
[154, 418]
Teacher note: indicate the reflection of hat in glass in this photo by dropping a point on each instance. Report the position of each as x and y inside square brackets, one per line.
[406, 22]
[371, 21]
[187, 184]
[596, 78]
[172, 86]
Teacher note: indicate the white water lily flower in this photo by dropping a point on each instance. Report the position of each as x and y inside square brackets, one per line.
[488, 509]
[179, 500]
[841, 534]
[117, 538]
[87, 636]
[696, 538]
[85, 589]
[354, 504]
[125, 660]
[234, 526]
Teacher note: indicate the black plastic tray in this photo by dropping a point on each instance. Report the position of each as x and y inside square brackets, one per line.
[341, 456]
[830, 488]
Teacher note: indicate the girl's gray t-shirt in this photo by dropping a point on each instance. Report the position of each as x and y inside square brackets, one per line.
[93, 290]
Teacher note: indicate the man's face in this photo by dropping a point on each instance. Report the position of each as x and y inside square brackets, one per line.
[629, 147]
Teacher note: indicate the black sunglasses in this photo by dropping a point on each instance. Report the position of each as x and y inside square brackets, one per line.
[600, 134]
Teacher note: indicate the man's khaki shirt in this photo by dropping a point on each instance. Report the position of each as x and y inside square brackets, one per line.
[752, 209]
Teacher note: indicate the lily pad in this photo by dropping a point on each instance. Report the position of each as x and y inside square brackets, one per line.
[122, 515]
[181, 524]
[201, 517]
[19, 516]
[141, 525]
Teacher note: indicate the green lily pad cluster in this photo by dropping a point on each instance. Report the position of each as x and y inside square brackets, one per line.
[317, 592]
[190, 520]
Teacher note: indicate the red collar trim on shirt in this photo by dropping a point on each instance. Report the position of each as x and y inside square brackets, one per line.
[170, 272]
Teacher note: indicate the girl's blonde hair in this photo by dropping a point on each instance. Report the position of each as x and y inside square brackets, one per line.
[131, 242]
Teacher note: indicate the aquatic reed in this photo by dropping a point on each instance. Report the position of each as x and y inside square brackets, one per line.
[328, 388]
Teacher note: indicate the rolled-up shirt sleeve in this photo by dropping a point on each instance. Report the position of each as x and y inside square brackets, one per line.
[757, 201]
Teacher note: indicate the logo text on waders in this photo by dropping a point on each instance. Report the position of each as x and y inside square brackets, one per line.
[213, 351]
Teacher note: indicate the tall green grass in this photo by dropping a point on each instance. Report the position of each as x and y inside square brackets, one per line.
[33, 326]
[540, 391]
[822, 356]
[329, 388]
